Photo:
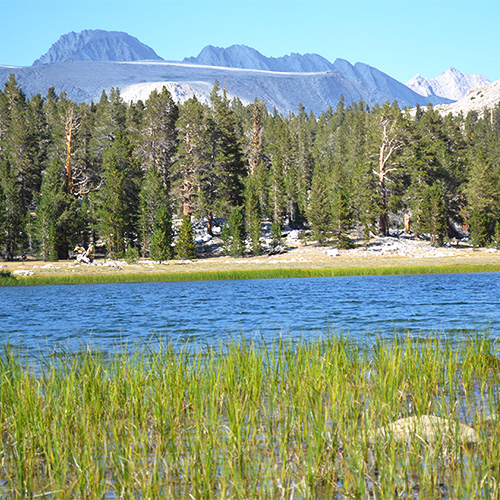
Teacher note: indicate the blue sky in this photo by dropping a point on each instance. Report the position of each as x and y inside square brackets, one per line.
[399, 37]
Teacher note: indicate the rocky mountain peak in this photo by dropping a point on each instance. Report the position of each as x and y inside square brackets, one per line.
[451, 84]
[97, 45]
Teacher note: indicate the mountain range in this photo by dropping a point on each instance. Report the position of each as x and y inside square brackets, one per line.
[83, 64]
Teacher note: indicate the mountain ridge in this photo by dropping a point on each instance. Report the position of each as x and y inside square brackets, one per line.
[244, 57]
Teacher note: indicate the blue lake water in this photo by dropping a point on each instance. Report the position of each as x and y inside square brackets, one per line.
[213, 312]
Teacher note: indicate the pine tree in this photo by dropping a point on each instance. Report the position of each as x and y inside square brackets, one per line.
[433, 214]
[234, 234]
[341, 217]
[252, 216]
[162, 238]
[18, 143]
[192, 177]
[110, 118]
[228, 165]
[276, 234]
[46, 216]
[319, 213]
[14, 222]
[185, 246]
[153, 195]
[118, 198]
[3, 219]
[158, 139]
[480, 228]
[483, 196]
[58, 220]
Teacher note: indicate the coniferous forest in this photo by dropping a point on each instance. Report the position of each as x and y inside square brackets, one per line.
[75, 173]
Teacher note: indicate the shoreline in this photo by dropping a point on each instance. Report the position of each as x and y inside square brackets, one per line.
[384, 256]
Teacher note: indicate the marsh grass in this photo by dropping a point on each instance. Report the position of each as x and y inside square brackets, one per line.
[240, 274]
[246, 420]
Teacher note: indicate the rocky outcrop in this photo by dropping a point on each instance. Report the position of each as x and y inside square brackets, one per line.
[476, 100]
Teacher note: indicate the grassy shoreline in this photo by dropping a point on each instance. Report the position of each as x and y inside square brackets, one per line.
[252, 421]
[240, 274]
[383, 256]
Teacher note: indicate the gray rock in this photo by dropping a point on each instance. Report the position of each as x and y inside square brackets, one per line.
[427, 428]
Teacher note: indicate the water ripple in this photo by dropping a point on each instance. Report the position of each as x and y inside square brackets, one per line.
[213, 312]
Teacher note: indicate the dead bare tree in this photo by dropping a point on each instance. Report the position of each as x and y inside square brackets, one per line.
[391, 143]
[78, 182]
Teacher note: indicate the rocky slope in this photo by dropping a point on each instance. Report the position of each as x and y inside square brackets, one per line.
[477, 100]
[97, 45]
[452, 84]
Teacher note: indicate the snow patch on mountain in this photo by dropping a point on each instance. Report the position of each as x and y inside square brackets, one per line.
[97, 45]
[180, 91]
[452, 84]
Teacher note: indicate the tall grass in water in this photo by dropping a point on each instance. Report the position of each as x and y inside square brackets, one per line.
[241, 274]
[250, 421]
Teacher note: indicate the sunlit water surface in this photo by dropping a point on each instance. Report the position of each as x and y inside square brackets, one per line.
[210, 313]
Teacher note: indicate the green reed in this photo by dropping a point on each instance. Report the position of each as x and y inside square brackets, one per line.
[241, 274]
[249, 420]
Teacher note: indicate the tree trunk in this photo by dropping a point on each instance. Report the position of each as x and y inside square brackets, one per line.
[383, 224]
[210, 223]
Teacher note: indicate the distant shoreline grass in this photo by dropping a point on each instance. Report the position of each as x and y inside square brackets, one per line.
[248, 420]
[242, 274]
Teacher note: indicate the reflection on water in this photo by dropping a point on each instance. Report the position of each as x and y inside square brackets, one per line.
[212, 312]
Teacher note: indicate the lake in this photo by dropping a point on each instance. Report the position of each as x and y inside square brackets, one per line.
[205, 313]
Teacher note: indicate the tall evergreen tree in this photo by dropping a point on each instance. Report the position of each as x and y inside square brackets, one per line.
[18, 145]
[228, 164]
[153, 197]
[158, 140]
[118, 198]
[185, 246]
[319, 210]
[433, 215]
[59, 224]
[483, 197]
[192, 184]
[253, 216]
[162, 238]
[233, 234]
[14, 222]
[3, 219]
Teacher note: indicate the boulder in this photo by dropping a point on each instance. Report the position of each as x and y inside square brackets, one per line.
[332, 252]
[23, 272]
[427, 428]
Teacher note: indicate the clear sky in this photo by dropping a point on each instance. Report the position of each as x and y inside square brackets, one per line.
[399, 37]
